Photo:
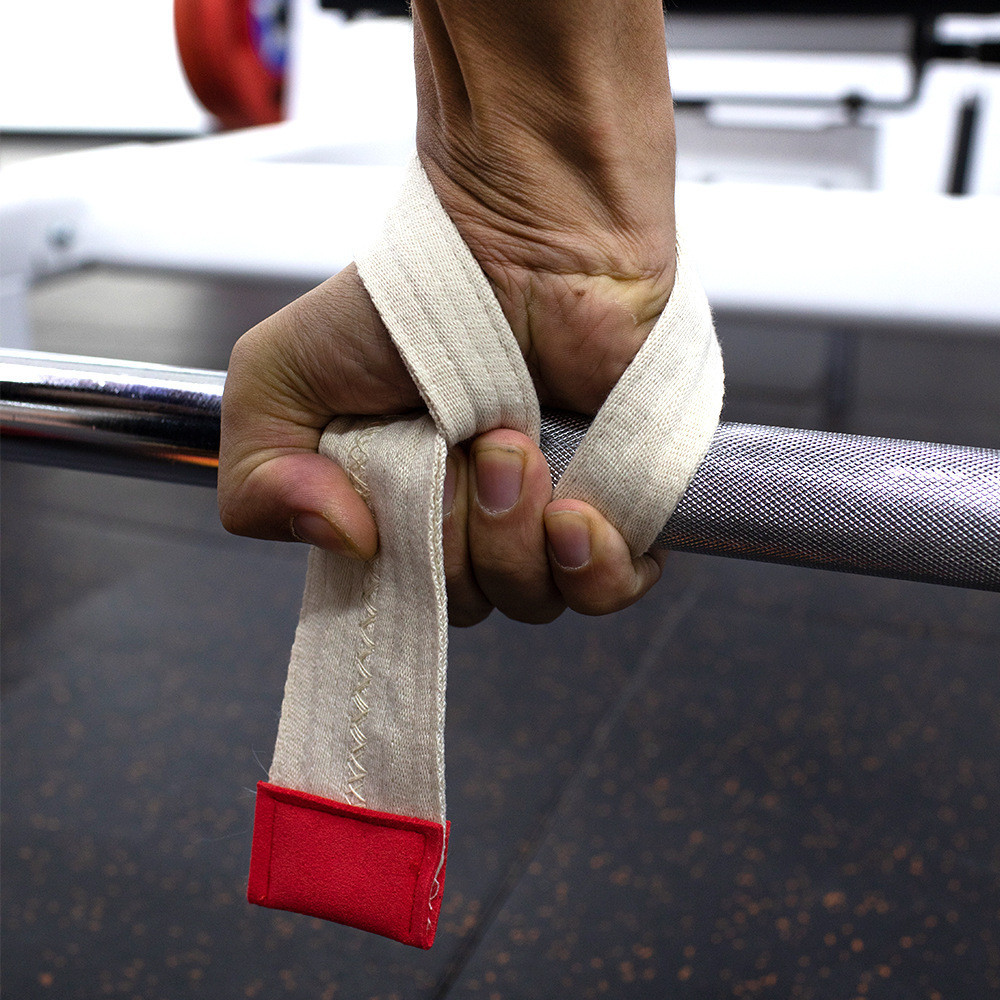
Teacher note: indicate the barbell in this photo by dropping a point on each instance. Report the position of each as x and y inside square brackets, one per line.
[910, 510]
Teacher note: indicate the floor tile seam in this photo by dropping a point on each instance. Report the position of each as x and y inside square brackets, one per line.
[566, 793]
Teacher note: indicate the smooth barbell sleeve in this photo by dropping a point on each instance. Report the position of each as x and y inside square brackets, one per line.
[905, 509]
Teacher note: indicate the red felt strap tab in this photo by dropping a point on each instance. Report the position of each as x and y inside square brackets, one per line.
[359, 867]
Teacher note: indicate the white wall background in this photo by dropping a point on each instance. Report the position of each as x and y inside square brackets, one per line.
[93, 66]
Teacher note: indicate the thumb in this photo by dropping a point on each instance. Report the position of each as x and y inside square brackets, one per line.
[301, 496]
[325, 354]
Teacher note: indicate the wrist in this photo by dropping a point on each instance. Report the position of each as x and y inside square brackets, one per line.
[561, 103]
[549, 140]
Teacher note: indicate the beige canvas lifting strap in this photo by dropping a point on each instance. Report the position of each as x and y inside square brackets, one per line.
[363, 716]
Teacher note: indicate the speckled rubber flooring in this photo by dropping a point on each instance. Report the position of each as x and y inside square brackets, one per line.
[760, 781]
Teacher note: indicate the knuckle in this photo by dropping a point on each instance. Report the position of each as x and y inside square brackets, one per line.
[543, 616]
[595, 607]
[232, 517]
[240, 514]
[505, 564]
[596, 597]
[533, 613]
[464, 617]
[244, 352]
[533, 599]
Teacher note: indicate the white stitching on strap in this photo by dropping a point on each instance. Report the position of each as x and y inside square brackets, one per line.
[356, 771]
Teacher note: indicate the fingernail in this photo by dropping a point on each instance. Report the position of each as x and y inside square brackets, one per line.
[450, 475]
[314, 529]
[569, 537]
[499, 472]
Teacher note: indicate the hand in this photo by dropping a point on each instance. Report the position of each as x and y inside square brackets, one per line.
[505, 543]
[572, 224]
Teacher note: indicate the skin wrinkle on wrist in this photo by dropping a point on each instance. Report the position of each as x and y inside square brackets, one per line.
[565, 47]
[546, 129]
[490, 93]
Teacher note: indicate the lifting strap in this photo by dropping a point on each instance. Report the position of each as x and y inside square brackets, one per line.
[351, 825]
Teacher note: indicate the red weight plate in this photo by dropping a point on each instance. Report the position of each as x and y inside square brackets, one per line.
[222, 64]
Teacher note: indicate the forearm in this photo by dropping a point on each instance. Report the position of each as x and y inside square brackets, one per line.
[566, 98]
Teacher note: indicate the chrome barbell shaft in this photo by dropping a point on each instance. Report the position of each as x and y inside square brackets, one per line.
[904, 509]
